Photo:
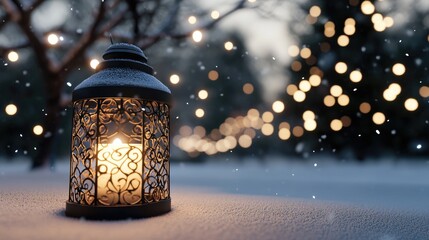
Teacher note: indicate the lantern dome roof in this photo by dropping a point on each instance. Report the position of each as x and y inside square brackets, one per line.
[123, 73]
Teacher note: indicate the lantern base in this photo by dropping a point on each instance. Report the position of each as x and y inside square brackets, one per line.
[117, 212]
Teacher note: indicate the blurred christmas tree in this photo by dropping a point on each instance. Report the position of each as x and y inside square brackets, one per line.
[213, 84]
[358, 82]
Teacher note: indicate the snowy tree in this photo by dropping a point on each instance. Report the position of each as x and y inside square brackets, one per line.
[358, 81]
[214, 85]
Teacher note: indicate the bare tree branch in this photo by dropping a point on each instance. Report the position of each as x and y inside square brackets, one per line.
[85, 41]
[150, 16]
[18, 5]
[240, 5]
[38, 47]
[113, 22]
[148, 41]
[132, 7]
[34, 6]
[5, 49]
[11, 12]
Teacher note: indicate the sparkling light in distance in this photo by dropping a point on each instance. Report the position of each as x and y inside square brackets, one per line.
[197, 36]
[213, 75]
[411, 104]
[11, 109]
[336, 125]
[315, 11]
[53, 39]
[278, 106]
[215, 14]
[248, 88]
[229, 46]
[174, 79]
[13, 56]
[398, 69]
[199, 113]
[37, 129]
[94, 63]
[355, 76]
[203, 94]
[367, 7]
[341, 67]
[192, 19]
[378, 118]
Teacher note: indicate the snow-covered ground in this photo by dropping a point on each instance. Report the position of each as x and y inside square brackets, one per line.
[311, 199]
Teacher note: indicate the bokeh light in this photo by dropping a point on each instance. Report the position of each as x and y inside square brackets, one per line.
[304, 86]
[37, 130]
[248, 88]
[267, 117]
[13, 56]
[310, 125]
[53, 39]
[284, 133]
[11, 109]
[367, 7]
[298, 131]
[329, 101]
[203, 94]
[336, 125]
[315, 80]
[365, 107]
[299, 96]
[424, 91]
[197, 36]
[293, 50]
[343, 40]
[336, 90]
[291, 89]
[398, 69]
[213, 75]
[378, 118]
[411, 104]
[267, 129]
[215, 14]
[94, 63]
[192, 19]
[305, 53]
[315, 11]
[343, 100]
[355, 76]
[199, 113]
[278, 106]
[308, 115]
[174, 79]
[341, 67]
[329, 29]
[245, 141]
[395, 88]
[229, 46]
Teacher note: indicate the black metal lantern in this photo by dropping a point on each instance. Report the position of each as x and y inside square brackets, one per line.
[120, 149]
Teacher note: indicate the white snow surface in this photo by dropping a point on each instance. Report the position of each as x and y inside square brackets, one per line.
[311, 199]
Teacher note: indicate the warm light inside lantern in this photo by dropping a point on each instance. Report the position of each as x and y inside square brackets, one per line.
[119, 173]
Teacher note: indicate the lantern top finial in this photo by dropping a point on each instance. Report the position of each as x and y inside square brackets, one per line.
[125, 51]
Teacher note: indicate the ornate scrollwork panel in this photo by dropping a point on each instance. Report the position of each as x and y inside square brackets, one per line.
[156, 150]
[82, 162]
